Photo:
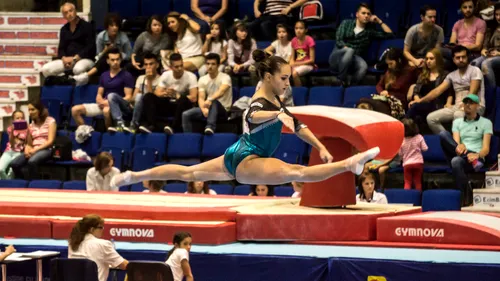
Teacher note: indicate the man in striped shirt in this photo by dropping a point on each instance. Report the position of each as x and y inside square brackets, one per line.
[275, 12]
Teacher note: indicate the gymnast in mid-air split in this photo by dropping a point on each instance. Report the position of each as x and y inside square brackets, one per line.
[249, 160]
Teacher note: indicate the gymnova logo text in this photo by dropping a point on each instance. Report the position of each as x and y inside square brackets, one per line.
[419, 232]
[132, 232]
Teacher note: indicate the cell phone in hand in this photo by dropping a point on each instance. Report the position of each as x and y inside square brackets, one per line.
[20, 125]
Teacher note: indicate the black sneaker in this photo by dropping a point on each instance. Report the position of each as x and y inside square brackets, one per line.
[145, 130]
[168, 130]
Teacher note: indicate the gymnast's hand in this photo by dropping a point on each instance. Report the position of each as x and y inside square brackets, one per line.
[325, 156]
[286, 120]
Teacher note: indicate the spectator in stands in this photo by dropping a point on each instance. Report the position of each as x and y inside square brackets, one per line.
[208, 12]
[470, 143]
[304, 53]
[76, 48]
[287, 96]
[353, 40]
[392, 89]
[17, 139]
[114, 85]
[184, 32]
[38, 149]
[467, 79]
[153, 40]
[215, 43]
[98, 177]
[215, 97]
[411, 153]
[177, 91]
[275, 12]
[423, 37]
[297, 188]
[85, 242]
[261, 190]
[489, 61]
[432, 75]
[144, 85]
[367, 191]
[381, 167]
[178, 257]
[199, 187]
[9, 250]
[282, 46]
[111, 37]
[468, 32]
[153, 186]
[239, 50]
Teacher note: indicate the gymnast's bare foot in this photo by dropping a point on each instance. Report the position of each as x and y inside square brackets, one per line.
[356, 163]
[121, 179]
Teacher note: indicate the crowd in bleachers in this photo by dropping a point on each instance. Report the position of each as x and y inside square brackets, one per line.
[184, 75]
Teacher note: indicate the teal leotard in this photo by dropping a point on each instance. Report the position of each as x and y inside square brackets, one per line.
[262, 139]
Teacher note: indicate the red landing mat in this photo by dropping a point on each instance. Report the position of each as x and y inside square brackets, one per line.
[26, 227]
[441, 227]
[288, 222]
[404, 245]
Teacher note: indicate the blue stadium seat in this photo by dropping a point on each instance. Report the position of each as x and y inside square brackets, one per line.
[291, 149]
[148, 149]
[119, 145]
[384, 45]
[441, 200]
[323, 50]
[403, 196]
[90, 146]
[222, 189]
[57, 99]
[126, 8]
[242, 190]
[353, 94]
[183, 7]
[245, 8]
[299, 95]
[125, 188]
[263, 44]
[152, 7]
[492, 157]
[184, 149]
[176, 187]
[13, 183]
[247, 92]
[394, 18]
[215, 145]
[84, 94]
[330, 96]
[372, 56]
[434, 158]
[348, 8]
[4, 140]
[74, 185]
[137, 187]
[236, 94]
[45, 184]
[452, 14]
[329, 16]
[283, 191]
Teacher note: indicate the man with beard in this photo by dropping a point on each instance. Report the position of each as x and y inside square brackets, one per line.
[467, 79]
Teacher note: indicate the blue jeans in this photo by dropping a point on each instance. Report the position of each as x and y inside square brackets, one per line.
[344, 61]
[136, 116]
[31, 164]
[489, 66]
[215, 112]
[119, 108]
[5, 160]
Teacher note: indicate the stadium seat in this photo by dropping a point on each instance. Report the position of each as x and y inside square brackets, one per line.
[434, 158]
[441, 200]
[176, 187]
[74, 185]
[81, 95]
[384, 45]
[403, 196]
[236, 93]
[126, 8]
[353, 94]
[452, 14]
[247, 92]
[215, 145]
[299, 95]
[57, 99]
[152, 7]
[119, 145]
[329, 16]
[492, 157]
[394, 18]
[323, 50]
[184, 149]
[148, 149]
[242, 190]
[291, 149]
[4, 140]
[283, 191]
[13, 183]
[182, 6]
[90, 146]
[348, 8]
[245, 8]
[137, 187]
[45, 184]
[222, 189]
[263, 44]
[125, 188]
[330, 96]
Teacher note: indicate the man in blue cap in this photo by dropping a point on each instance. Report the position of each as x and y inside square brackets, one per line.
[467, 148]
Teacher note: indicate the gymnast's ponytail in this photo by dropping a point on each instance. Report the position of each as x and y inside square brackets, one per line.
[81, 228]
[178, 238]
[266, 63]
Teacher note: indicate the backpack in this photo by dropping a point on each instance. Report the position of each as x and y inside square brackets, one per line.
[62, 149]
[311, 10]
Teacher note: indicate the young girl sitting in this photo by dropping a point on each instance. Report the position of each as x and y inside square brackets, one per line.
[17, 139]
[199, 187]
[153, 186]
[282, 47]
[239, 50]
[367, 191]
[178, 257]
[216, 43]
[303, 55]
[411, 152]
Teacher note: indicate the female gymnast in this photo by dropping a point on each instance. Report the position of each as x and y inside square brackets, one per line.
[249, 160]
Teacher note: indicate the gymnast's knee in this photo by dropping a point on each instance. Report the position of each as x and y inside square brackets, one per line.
[295, 172]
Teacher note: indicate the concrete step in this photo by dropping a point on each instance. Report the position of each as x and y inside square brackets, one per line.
[487, 197]
[51, 20]
[33, 35]
[13, 93]
[20, 77]
[24, 62]
[28, 47]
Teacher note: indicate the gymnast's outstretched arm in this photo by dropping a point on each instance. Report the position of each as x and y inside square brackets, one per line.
[306, 135]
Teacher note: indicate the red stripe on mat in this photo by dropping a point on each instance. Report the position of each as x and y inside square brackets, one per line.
[403, 245]
[26, 228]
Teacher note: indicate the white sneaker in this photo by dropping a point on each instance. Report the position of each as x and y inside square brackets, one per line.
[168, 130]
[81, 79]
